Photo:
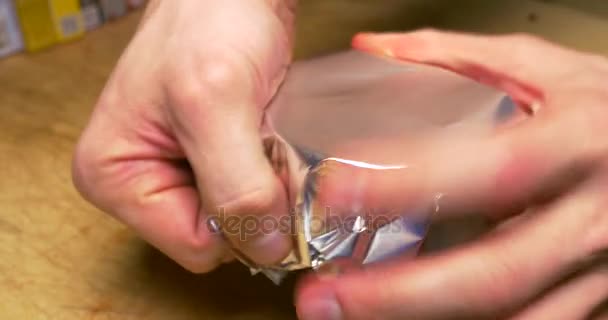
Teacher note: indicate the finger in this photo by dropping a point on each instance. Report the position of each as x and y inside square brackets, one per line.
[573, 300]
[487, 279]
[137, 183]
[504, 170]
[217, 120]
[508, 169]
[525, 67]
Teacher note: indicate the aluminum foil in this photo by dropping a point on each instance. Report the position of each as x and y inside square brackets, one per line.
[351, 111]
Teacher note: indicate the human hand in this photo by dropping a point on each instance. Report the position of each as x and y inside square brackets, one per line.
[545, 262]
[175, 134]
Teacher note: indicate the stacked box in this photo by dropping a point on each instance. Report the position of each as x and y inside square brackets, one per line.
[10, 34]
[91, 13]
[36, 23]
[113, 9]
[46, 22]
[69, 23]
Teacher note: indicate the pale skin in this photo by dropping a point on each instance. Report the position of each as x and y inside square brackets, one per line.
[175, 136]
[190, 87]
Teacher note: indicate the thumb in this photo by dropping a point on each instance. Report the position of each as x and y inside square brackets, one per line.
[217, 123]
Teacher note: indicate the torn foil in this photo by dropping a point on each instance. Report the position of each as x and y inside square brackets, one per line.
[348, 110]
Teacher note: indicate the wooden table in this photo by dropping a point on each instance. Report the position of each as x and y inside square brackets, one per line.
[62, 259]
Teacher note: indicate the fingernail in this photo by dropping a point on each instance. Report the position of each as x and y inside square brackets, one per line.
[318, 303]
[388, 52]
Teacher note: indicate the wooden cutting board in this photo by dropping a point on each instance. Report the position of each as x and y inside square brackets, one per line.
[62, 259]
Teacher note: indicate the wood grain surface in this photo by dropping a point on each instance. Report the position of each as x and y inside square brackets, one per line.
[62, 259]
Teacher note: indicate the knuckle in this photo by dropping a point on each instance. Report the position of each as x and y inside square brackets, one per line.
[203, 82]
[188, 97]
[221, 73]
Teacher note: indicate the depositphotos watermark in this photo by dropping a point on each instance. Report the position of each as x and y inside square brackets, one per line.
[245, 227]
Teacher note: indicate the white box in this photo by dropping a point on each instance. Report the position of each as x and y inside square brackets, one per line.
[91, 12]
[11, 40]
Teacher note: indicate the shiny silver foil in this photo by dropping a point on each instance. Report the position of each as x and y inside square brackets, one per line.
[350, 110]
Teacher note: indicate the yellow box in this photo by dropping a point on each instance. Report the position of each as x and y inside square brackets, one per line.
[36, 24]
[46, 22]
[11, 40]
[69, 23]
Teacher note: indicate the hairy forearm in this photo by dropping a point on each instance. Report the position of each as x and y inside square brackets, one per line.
[284, 9]
[275, 5]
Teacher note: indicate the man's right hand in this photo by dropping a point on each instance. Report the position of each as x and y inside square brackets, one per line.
[175, 134]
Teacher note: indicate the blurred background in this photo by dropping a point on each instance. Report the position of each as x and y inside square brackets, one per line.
[62, 259]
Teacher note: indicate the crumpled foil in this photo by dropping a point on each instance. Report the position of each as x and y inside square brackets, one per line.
[352, 110]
